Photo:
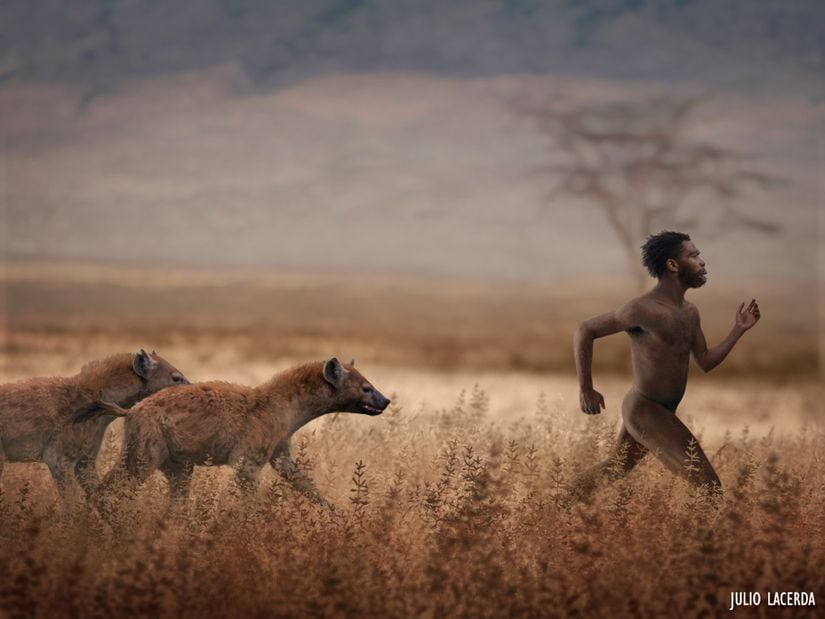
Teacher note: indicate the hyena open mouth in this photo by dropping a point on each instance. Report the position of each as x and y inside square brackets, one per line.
[372, 410]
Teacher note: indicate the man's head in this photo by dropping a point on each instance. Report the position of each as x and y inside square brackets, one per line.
[674, 252]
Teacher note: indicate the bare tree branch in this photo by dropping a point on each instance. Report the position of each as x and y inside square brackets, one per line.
[636, 163]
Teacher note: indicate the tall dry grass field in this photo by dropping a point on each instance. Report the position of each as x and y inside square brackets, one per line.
[452, 503]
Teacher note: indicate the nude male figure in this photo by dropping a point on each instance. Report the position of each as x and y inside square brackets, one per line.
[664, 330]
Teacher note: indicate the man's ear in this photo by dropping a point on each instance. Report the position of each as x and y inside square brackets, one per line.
[143, 364]
[334, 372]
[672, 265]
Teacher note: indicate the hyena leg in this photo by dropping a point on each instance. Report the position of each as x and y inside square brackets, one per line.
[119, 486]
[117, 483]
[179, 476]
[282, 462]
[145, 451]
[2, 461]
[142, 453]
[61, 468]
[247, 473]
[116, 475]
[86, 475]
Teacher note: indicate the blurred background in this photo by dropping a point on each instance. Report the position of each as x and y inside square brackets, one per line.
[439, 187]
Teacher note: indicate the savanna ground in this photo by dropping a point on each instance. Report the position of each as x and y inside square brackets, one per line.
[452, 503]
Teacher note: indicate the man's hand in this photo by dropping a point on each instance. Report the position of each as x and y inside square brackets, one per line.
[591, 401]
[748, 316]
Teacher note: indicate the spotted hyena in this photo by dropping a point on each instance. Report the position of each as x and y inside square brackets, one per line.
[218, 423]
[36, 415]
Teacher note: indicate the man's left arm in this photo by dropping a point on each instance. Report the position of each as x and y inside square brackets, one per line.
[707, 359]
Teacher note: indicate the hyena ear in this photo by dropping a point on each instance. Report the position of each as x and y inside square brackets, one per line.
[334, 373]
[352, 363]
[143, 364]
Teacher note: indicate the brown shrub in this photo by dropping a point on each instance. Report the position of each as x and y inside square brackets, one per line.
[446, 513]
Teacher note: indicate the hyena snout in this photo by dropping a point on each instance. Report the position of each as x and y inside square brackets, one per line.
[157, 372]
[374, 402]
[355, 393]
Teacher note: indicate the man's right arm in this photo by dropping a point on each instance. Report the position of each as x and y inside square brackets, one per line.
[605, 324]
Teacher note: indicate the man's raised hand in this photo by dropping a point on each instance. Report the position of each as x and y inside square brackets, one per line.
[748, 316]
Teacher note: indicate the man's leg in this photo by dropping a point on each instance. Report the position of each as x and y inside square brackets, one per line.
[660, 431]
[626, 454]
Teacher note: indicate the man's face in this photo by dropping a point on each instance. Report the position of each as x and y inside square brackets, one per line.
[692, 272]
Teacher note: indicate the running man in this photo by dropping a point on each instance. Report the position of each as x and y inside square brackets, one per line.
[664, 330]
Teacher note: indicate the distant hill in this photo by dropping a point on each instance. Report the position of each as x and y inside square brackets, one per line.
[381, 135]
[101, 43]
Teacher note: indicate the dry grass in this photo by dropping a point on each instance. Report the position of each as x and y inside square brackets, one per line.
[449, 505]
[447, 508]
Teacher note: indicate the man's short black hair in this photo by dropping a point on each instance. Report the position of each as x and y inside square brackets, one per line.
[659, 248]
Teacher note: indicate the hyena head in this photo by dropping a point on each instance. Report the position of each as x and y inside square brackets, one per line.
[352, 392]
[156, 372]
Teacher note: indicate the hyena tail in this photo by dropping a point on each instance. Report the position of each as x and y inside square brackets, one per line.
[96, 410]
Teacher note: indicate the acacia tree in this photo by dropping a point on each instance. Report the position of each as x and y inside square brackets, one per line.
[637, 164]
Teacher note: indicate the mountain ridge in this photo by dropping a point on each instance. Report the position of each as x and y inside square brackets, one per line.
[99, 44]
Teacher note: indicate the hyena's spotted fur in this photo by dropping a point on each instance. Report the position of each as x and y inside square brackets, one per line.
[36, 415]
[218, 423]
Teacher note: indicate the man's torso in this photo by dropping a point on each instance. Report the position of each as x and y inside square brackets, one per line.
[660, 349]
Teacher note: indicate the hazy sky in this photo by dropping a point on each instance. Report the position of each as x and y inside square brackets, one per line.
[385, 136]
